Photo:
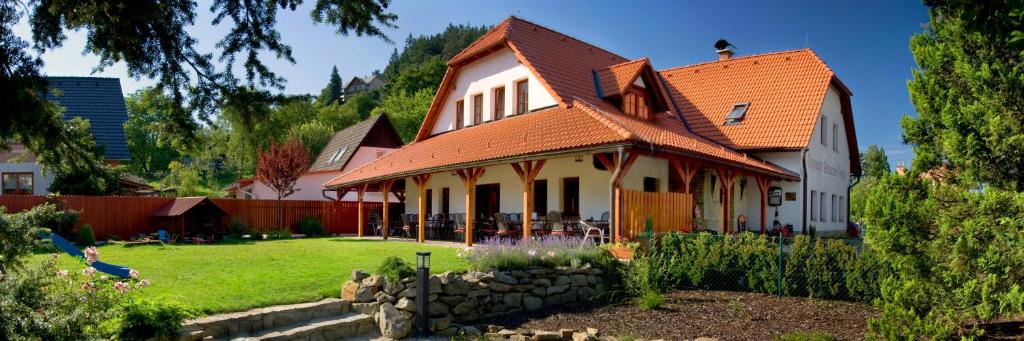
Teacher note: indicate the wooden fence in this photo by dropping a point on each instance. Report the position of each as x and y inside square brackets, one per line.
[128, 216]
[669, 211]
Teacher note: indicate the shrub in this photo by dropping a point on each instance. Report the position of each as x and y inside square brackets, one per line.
[237, 228]
[504, 254]
[279, 234]
[650, 300]
[85, 236]
[53, 215]
[142, 320]
[395, 269]
[311, 226]
[864, 276]
[806, 336]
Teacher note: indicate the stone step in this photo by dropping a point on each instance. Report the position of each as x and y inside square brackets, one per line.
[346, 326]
[257, 320]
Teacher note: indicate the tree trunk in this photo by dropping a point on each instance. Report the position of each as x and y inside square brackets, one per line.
[280, 213]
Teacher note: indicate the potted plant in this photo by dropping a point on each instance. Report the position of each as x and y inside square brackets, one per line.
[623, 249]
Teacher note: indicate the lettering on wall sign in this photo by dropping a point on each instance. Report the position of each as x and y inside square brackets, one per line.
[823, 167]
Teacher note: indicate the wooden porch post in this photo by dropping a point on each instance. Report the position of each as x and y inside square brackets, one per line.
[616, 183]
[728, 179]
[687, 170]
[527, 173]
[469, 177]
[360, 191]
[385, 189]
[762, 185]
[421, 184]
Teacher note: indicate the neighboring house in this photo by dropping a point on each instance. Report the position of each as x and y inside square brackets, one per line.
[348, 149]
[592, 132]
[362, 84]
[98, 100]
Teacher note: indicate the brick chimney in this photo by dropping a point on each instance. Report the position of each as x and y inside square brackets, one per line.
[724, 49]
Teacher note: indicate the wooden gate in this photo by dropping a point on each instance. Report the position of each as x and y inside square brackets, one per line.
[670, 212]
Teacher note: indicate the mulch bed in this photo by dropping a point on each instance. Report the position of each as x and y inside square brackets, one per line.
[689, 314]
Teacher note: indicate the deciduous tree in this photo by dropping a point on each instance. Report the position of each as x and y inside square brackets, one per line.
[874, 162]
[279, 168]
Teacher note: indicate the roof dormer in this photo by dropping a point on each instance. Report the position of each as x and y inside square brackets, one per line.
[633, 87]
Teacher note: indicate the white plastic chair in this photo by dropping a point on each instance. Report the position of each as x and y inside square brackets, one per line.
[590, 232]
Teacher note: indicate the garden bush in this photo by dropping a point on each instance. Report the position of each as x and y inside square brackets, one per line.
[650, 300]
[53, 215]
[505, 254]
[750, 262]
[237, 228]
[279, 234]
[956, 257]
[395, 269]
[143, 320]
[311, 226]
[86, 236]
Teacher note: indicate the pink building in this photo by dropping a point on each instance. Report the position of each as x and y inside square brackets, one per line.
[349, 148]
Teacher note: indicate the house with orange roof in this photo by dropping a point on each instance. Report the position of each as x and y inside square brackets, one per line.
[528, 120]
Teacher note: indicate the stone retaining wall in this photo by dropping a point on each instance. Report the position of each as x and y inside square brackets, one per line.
[456, 299]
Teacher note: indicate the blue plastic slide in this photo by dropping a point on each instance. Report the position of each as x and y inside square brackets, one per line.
[67, 247]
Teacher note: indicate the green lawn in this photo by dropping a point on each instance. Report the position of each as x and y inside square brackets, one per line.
[234, 277]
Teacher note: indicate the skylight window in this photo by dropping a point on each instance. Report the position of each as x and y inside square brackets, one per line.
[739, 110]
[337, 156]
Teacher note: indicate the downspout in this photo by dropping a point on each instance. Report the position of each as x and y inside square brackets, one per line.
[803, 180]
[323, 192]
[611, 193]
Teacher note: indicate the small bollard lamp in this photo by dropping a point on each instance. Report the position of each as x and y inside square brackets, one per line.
[422, 291]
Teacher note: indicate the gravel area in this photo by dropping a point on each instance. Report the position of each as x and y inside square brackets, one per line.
[689, 314]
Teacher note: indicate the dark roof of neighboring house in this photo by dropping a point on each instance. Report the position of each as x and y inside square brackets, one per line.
[100, 101]
[377, 131]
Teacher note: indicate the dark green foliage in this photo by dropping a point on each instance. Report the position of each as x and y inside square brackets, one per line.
[419, 50]
[142, 320]
[151, 147]
[237, 228]
[53, 215]
[311, 226]
[85, 236]
[279, 234]
[650, 300]
[873, 162]
[966, 91]
[864, 276]
[153, 40]
[332, 92]
[806, 336]
[750, 262]
[955, 255]
[102, 180]
[395, 269]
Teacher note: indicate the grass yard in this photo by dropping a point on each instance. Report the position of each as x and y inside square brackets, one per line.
[233, 277]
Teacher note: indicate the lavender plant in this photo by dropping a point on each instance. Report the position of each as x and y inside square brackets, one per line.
[548, 251]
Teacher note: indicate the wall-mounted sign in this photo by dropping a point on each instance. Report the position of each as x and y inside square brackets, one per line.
[790, 196]
[775, 196]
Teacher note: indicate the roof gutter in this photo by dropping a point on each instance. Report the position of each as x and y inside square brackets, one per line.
[491, 162]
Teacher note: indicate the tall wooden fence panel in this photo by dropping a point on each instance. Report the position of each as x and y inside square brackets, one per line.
[107, 215]
[670, 211]
[336, 216]
[128, 216]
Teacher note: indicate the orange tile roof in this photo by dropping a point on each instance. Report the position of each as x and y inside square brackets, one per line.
[564, 65]
[785, 91]
[617, 78]
[581, 125]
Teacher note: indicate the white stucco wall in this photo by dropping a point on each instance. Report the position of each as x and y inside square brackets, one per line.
[594, 185]
[363, 155]
[828, 169]
[40, 180]
[500, 68]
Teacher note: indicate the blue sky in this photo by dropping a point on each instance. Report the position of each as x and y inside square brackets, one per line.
[865, 42]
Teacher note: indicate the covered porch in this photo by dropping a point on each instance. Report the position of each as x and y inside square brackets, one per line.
[613, 189]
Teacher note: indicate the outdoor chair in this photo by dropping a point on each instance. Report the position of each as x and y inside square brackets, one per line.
[556, 224]
[409, 222]
[436, 225]
[591, 231]
[375, 223]
[501, 221]
[460, 224]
